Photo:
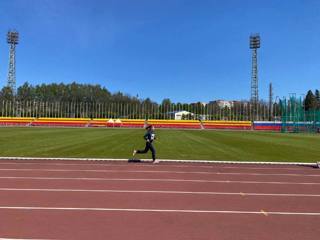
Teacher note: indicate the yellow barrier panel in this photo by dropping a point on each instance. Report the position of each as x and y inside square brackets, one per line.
[129, 121]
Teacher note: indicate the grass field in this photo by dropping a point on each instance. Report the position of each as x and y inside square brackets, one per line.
[171, 144]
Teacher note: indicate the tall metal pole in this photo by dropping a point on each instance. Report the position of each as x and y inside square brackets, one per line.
[254, 77]
[254, 45]
[270, 102]
[12, 40]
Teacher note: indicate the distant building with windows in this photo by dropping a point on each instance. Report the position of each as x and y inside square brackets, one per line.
[228, 104]
[222, 103]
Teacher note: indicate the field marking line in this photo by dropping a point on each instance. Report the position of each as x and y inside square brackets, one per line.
[148, 165]
[163, 160]
[161, 180]
[159, 171]
[24, 239]
[160, 192]
[158, 210]
[144, 165]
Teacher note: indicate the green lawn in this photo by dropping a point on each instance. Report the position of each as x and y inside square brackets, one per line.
[172, 144]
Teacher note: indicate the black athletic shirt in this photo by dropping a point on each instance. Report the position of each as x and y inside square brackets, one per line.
[149, 136]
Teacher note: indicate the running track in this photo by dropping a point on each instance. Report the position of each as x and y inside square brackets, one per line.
[112, 200]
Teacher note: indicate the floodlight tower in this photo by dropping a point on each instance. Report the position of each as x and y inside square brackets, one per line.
[254, 45]
[12, 40]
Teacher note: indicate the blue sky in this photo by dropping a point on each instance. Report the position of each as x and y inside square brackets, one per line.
[185, 50]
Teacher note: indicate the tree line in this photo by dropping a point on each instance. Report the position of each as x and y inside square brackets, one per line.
[87, 100]
[73, 92]
[312, 100]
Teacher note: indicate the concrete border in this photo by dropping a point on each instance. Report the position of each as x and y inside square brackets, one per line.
[315, 164]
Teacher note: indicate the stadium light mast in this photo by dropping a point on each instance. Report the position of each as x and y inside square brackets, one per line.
[12, 40]
[254, 45]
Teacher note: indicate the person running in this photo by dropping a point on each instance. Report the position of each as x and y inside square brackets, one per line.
[150, 136]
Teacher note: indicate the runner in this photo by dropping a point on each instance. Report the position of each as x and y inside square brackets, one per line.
[150, 136]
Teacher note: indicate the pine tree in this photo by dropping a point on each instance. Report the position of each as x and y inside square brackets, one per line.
[317, 93]
[310, 101]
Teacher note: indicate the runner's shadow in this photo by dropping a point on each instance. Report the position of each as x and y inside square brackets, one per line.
[134, 161]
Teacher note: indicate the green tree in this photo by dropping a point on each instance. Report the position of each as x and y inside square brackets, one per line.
[317, 95]
[166, 102]
[25, 92]
[310, 101]
[6, 94]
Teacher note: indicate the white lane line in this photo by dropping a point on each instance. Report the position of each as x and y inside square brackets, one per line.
[149, 165]
[24, 239]
[160, 192]
[158, 210]
[212, 161]
[152, 171]
[264, 212]
[162, 180]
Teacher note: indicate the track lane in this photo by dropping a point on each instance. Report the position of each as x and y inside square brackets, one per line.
[129, 199]
[158, 226]
[160, 184]
[189, 167]
[154, 170]
[163, 175]
[88, 224]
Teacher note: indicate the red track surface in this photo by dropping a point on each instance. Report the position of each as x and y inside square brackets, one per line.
[95, 200]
